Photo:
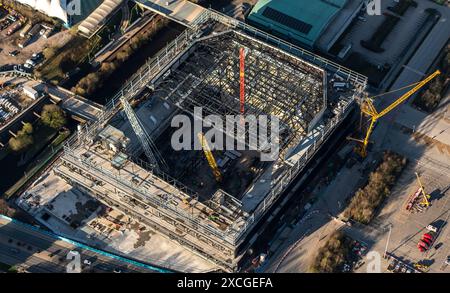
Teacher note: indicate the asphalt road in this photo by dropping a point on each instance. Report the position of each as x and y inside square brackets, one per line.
[37, 252]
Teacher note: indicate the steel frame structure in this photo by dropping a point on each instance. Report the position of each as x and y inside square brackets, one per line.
[151, 151]
[277, 84]
[266, 64]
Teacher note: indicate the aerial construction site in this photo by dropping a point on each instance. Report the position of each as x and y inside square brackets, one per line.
[210, 201]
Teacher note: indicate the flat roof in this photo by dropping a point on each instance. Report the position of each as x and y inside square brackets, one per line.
[112, 133]
[303, 20]
[97, 18]
[184, 12]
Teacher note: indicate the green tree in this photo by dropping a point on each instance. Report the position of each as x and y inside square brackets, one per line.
[27, 128]
[23, 139]
[331, 255]
[53, 116]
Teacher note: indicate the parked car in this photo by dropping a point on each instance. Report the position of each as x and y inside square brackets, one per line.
[27, 66]
[432, 228]
[37, 56]
[427, 236]
[427, 239]
[14, 53]
[422, 246]
[31, 62]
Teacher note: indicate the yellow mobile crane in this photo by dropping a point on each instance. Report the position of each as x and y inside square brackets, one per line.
[368, 108]
[425, 202]
[209, 156]
[421, 267]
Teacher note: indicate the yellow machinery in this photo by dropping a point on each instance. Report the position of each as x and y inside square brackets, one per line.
[421, 267]
[425, 201]
[209, 156]
[368, 109]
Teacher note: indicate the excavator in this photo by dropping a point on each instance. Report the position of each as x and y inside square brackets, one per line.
[368, 108]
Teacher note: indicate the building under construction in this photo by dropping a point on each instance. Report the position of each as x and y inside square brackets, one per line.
[126, 160]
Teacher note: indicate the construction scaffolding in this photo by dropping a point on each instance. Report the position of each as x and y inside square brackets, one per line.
[202, 69]
[278, 85]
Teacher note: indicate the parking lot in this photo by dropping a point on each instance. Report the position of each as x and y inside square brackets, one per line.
[20, 38]
[409, 33]
[396, 41]
[408, 228]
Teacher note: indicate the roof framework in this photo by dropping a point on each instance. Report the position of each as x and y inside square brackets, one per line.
[207, 76]
[277, 84]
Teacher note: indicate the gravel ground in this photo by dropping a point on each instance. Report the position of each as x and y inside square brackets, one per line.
[8, 44]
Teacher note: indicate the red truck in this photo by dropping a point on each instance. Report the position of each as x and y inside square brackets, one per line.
[426, 242]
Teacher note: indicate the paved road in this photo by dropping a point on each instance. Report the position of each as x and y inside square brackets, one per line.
[36, 262]
[40, 253]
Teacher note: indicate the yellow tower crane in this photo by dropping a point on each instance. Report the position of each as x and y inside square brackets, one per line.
[209, 156]
[426, 197]
[368, 108]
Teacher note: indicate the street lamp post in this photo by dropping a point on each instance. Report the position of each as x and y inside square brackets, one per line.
[387, 242]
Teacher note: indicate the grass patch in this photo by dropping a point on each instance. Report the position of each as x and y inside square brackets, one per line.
[332, 255]
[366, 200]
